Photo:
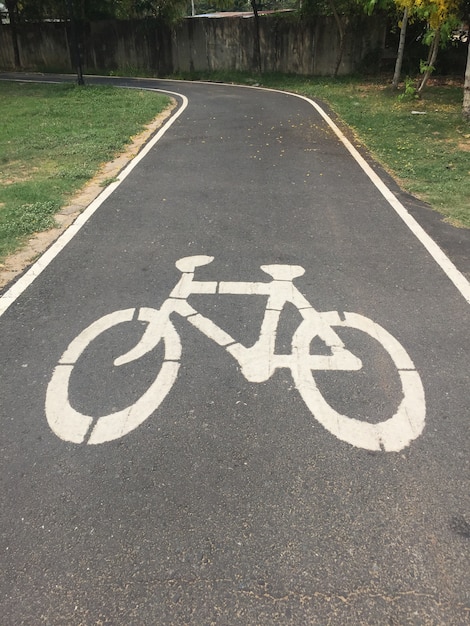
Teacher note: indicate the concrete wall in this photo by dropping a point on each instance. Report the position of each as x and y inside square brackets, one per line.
[41, 46]
[286, 45]
[196, 43]
[143, 45]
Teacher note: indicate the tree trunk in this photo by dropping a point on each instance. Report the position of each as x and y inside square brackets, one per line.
[74, 46]
[466, 87]
[11, 6]
[257, 44]
[341, 36]
[401, 50]
[432, 56]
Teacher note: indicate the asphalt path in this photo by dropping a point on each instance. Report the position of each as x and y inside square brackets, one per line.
[231, 503]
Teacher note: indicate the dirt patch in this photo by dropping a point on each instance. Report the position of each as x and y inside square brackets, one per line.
[17, 262]
[446, 81]
[21, 175]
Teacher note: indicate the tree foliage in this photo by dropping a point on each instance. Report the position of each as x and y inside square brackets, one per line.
[435, 12]
[39, 10]
[441, 17]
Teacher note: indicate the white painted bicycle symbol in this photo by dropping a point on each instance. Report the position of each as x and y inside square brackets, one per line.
[257, 363]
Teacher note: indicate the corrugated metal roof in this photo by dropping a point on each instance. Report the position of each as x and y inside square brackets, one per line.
[221, 14]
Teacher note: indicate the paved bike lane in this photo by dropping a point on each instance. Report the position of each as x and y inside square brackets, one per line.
[231, 504]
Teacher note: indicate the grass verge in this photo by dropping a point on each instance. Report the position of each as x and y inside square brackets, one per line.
[424, 144]
[53, 139]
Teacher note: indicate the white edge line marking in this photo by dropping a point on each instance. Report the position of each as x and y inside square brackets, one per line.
[37, 268]
[459, 280]
[451, 271]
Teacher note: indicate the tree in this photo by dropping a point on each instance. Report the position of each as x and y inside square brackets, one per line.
[12, 8]
[167, 10]
[340, 27]
[340, 10]
[466, 87]
[401, 49]
[75, 48]
[439, 14]
[257, 38]
[38, 10]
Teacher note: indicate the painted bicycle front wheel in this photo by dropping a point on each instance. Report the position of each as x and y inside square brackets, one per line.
[390, 433]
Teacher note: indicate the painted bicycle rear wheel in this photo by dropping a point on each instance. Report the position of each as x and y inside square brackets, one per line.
[70, 424]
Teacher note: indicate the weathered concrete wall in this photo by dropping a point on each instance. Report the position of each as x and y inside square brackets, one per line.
[196, 44]
[143, 45]
[41, 46]
[286, 45]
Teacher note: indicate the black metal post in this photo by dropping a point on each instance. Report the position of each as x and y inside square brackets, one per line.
[74, 47]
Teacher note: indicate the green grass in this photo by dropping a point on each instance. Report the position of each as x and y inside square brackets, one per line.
[53, 139]
[429, 155]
